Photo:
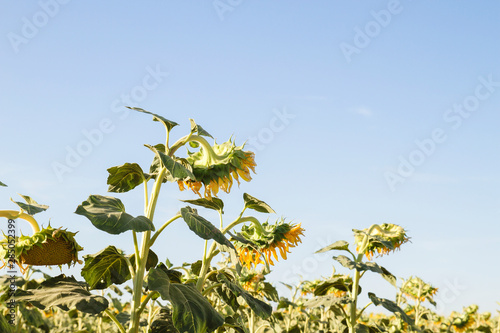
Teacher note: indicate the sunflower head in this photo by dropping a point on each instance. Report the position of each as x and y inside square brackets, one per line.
[263, 240]
[380, 239]
[416, 289]
[215, 168]
[463, 322]
[47, 247]
[251, 279]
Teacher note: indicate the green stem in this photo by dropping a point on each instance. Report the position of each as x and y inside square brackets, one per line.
[143, 256]
[113, 318]
[206, 291]
[159, 231]
[146, 300]
[14, 214]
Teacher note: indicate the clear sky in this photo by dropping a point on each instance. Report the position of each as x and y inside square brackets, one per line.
[359, 112]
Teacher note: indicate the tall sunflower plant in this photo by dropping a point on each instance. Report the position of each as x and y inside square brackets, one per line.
[197, 297]
[377, 240]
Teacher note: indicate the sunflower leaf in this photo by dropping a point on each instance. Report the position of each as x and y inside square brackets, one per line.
[31, 207]
[65, 293]
[261, 309]
[177, 170]
[368, 266]
[203, 228]
[168, 123]
[391, 306]
[105, 268]
[2, 184]
[152, 260]
[192, 312]
[125, 177]
[327, 301]
[338, 245]
[215, 204]
[195, 128]
[108, 214]
[256, 204]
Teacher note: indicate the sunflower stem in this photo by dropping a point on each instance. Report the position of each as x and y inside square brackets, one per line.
[113, 318]
[13, 214]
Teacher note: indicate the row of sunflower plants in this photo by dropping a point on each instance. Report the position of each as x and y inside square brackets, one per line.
[226, 289]
[193, 297]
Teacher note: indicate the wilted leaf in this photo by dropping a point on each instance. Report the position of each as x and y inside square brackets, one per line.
[261, 309]
[192, 312]
[256, 204]
[198, 129]
[105, 268]
[65, 293]
[327, 301]
[168, 123]
[125, 177]
[391, 306]
[151, 261]
[31, 207]
[369, 266]
[108, 214]
[338, 245]
[177, 170]
[202, 227]
[215, 204]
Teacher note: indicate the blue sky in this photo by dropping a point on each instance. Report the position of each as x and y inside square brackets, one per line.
[358, 112]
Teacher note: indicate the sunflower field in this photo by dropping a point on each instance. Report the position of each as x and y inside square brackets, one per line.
[226, 289]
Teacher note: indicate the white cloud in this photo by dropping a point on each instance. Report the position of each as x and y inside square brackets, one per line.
[363, 111]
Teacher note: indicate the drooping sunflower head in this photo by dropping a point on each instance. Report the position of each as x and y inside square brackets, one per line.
[380, 239]
[264, 240]
[48, 247]
[251, 279]
[463, 322]
[216, 168]
[416, 289]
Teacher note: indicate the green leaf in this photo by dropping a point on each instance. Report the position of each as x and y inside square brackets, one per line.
[256, 204]
[338, 245]
[215, 204]
[32, 317]
[270, 292]
[391, 306]
[108, 214]
[261, 309]
[168, 123]
[31, 207]
[327, 301]
[198, 129]
[152, 260]
[177, 170]
[5, 326]
[339, 282]
[105, 268]
[369, 266]
[192, 312]
[173, 275]
[202, 227]
[162, 322]
[2, 184]
[125, 177]
[65, 293]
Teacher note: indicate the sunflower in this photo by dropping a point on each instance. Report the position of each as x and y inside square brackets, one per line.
[251, 279]
[217, 167]
[463, 322]
[417, 289]
[48, 247]
[265, 239]
[381, 239]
